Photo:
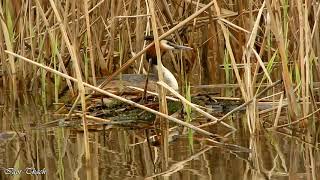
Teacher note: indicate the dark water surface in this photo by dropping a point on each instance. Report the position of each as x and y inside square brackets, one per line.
[55, 152]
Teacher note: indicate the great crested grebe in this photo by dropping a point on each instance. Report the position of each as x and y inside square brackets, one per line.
[138, 80]
[151, 56]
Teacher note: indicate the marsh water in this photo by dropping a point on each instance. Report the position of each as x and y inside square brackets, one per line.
[29, 151]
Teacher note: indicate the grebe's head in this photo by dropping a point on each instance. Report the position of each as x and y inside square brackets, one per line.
[165, 45]
[169, 45]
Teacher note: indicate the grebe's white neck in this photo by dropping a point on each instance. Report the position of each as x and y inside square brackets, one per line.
[168, 77]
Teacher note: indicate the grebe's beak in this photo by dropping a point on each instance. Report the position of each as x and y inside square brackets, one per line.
[168, 45]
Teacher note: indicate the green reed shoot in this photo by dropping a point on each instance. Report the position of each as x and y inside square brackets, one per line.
[188, 117]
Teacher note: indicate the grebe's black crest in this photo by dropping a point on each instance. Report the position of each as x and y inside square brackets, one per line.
[149, 38]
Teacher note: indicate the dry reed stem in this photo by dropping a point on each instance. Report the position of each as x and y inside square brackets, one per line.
[201, 131]
[301, 55]
[262, 66]
[79, 82]
[129, 35]
[270, 96]
[164, 125]
[315, 25]
[52, 39]
[262, 50]
[276, 120]
[11, 60]
[74, 105]
[134, 16]
[212, 86]
[230, 51]
[276, 28]
[234, 25]
[253, 123]
[91, 49]
[307, 68]
[112, 35]
[140, 36]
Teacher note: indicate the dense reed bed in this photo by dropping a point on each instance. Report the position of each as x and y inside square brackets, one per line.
[249, 51]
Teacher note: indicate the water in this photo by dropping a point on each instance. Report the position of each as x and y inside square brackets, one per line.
[122, 153]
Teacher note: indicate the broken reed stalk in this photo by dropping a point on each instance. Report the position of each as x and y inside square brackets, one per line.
[201, 131]
[79, 83]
